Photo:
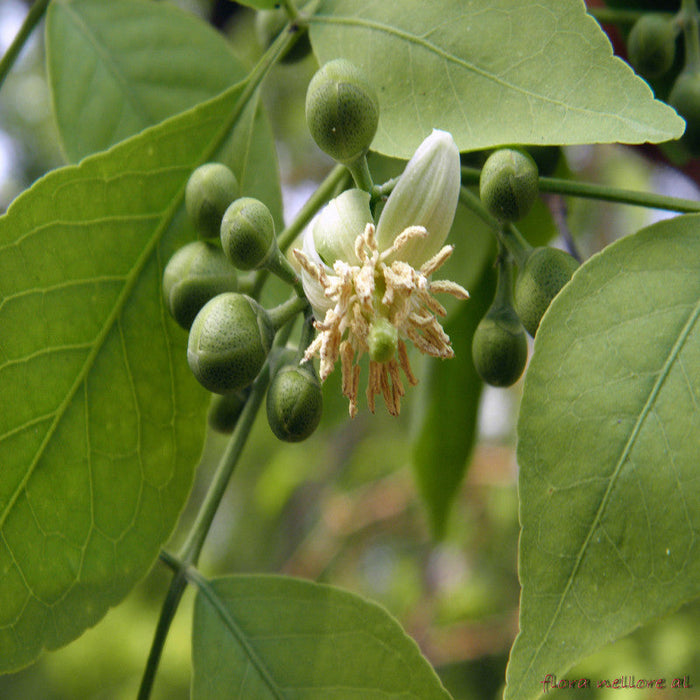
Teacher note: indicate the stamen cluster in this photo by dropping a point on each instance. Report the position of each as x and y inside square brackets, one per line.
[372, 290]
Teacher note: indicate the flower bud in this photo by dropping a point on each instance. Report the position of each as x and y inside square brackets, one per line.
[545, 272]
[210, 189]
[651, 45]
[342, 110]
[229, 342]
[426, 195]
[196, 273]
[499, 347]
[294, 403]
[248, 233]
[509, 184]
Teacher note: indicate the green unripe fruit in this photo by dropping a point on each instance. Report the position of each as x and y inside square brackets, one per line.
[225, 410]
[248, 233]
[196, 273]
[294, 403]
[651, 45]
[210, 189]
[382, 340]
[499, 347]
[229, 342]
[544, 273]
[269, 24]
[685, 99]
[509, 184]
[342, 110]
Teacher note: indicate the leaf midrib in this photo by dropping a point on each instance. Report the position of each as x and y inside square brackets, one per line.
[629, 445]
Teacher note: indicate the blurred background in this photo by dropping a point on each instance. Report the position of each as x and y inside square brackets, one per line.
[342, 508]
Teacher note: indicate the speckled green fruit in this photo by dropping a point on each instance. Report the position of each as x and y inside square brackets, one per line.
[229, 342]
[509, 184]
[269, 24]
[247, 233]
[294, 403]
[685, 99]
[342, 110]
[499, 347]
[210, 189]
[196, 273]
[544, 273]
[225, 410]
[651, 45]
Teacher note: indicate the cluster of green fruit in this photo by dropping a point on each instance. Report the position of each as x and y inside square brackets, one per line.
[651, 51]
[230, 334]
[508, 187]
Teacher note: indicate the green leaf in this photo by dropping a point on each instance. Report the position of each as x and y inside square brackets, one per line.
[608, 434]
[102, 421]
[450, 393]
[118, 67]
[498, 72]
[278, 637]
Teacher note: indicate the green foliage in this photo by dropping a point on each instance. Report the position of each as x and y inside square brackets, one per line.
[103, 423]
[106, 76]
[468, 69]
[96, 372]
[246, 626]
[607, 446]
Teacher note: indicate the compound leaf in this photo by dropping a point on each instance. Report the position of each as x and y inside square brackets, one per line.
[277, 637]
[608, 433]
[101, 421]
[492, 72]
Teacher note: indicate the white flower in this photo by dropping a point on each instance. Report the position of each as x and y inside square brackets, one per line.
[370, 287]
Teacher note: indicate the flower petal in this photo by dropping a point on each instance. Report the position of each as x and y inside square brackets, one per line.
[425, 195]
[313, 289]
[338, 225]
